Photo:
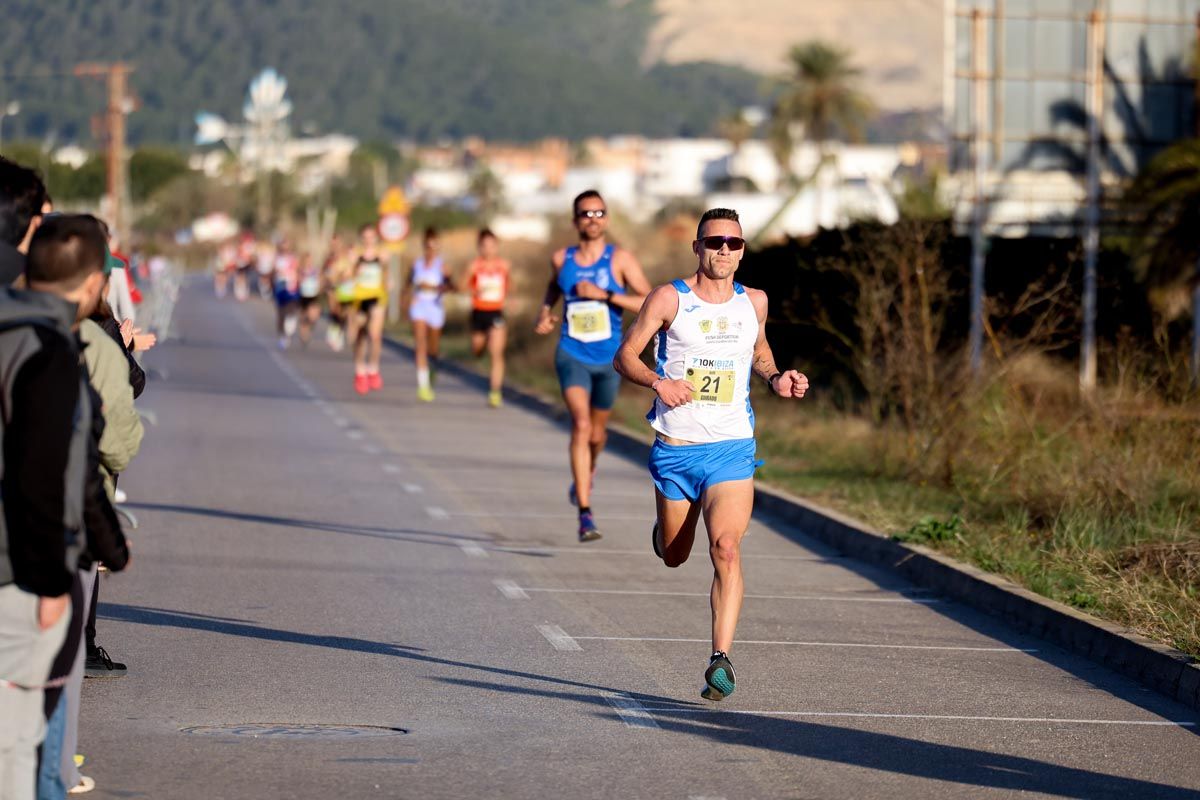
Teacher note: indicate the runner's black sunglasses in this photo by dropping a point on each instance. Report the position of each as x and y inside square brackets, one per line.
[715, 242]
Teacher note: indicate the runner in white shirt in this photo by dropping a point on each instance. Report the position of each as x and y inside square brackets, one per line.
[711, 335]
[428, 282]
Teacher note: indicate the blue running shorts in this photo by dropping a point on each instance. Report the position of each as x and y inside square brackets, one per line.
[685, 471]
[600, 380]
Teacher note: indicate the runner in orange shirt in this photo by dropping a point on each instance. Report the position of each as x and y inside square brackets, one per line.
[488, 279]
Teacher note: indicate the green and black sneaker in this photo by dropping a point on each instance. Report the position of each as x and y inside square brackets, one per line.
[719, 681]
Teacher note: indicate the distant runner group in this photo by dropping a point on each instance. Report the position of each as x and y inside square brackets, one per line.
[710, 339]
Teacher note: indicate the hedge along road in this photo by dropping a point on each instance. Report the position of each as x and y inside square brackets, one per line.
[338, 596]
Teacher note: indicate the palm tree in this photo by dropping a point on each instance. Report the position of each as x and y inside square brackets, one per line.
[1166, 201]
[735, 129]
[820, 95]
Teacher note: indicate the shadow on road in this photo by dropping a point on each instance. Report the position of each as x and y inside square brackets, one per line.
[878, 751]
[438, 538]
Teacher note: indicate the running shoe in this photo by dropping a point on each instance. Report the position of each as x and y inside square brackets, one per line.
[120, 496]
[587, 528]
[375, 381]
[362, 384]
[495, 399]
[719, 681]
[84, 786]
[425, 394]
[100, 665]
[654, 540]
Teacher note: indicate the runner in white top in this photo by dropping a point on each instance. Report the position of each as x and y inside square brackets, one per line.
[711, 336]
[428, 282]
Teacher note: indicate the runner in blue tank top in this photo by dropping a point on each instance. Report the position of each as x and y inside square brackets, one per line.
[597, 281]
[711, 335]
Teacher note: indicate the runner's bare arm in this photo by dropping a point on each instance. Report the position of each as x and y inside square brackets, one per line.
[785, 384]
[546, 321]
[629, 274]
[656, 313]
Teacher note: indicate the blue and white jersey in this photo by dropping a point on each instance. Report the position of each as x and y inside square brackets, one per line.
[591, 329]
[711, 346]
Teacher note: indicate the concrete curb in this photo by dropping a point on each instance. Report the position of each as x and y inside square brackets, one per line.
[1161, 668]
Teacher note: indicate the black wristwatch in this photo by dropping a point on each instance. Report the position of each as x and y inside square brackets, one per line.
[771, 380]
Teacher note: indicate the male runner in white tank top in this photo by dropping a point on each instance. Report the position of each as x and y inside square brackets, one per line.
[711, 336]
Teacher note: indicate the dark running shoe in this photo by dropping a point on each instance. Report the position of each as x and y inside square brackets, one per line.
[654, 540]
[100, 665]
[587, 528]
[718, 678]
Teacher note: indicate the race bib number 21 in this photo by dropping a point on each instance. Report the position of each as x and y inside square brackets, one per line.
[711, 380]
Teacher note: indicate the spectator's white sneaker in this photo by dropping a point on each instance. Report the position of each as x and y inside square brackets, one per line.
[84, 786]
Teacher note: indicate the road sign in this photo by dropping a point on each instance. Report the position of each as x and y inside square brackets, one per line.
[393, 202]
[393, 227]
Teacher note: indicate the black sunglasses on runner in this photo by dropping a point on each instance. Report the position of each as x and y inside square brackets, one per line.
[591, 214]
[715, 242]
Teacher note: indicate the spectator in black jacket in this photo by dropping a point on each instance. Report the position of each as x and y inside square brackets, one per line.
[23, 201]
[47, 432]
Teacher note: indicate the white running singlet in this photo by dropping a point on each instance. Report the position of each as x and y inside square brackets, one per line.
[711, 346]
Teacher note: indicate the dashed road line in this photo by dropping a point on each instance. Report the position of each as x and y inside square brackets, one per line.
[805, 597]
[511, 590]
[437, 512]
[633, 713]
[391, 469]
[653, 707]
[557, 637]
[872, 646]
[472, 549]
[413, 488]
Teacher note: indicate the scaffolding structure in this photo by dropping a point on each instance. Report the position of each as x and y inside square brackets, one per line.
[1052, 104]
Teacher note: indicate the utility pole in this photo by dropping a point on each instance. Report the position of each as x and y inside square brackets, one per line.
[1091, 233]
[1195, 360]
[112, 134]
[979, 210]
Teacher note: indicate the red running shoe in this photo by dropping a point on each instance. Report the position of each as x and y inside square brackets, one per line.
[375, 381]
[362, 384]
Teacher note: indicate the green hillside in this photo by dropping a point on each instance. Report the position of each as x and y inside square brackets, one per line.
[422, 69]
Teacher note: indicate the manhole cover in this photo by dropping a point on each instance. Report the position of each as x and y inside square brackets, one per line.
[287, 730]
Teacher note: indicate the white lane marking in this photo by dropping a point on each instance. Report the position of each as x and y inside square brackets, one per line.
[813, 597]
[652, 707]
[511, 515]
[371, 450]
[539, 550]
[559, 638]
[413, 488]
[558, 490]
[391, 469]
[472, 549]
[341, 422]
[354, 434]
[633, 713]
[814, 644]
[510, 589]
[437, 512]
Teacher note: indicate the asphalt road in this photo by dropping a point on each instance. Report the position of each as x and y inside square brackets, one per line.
[337, 597]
